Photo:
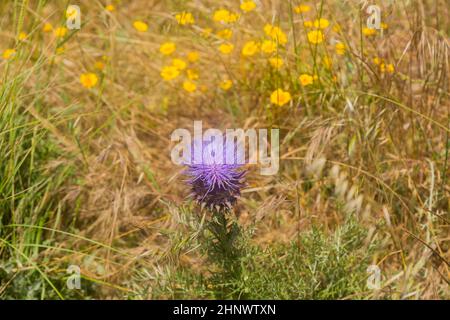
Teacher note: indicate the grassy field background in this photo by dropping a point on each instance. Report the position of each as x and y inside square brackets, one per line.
[86, 177]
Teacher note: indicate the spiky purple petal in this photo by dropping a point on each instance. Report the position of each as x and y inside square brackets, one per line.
[215, 184]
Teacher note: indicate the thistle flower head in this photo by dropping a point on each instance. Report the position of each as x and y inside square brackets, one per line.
[215, 174]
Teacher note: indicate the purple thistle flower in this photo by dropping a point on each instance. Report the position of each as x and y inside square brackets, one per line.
[216, 183]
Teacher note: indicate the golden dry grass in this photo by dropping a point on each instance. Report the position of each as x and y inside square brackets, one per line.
[359, 140]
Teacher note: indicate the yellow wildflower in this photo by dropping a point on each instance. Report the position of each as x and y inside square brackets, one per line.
[179, 64]
[167, 48]
[192, 74]
[140, 26]
[226, 85]
[47, 27]
[315, 36]
[22, 36]
[110, 8]
[302, 8]
[184, 18]
[327, 62]
[99, 65]
[226, 48]
[206, 32]
[275, 33]
[276, 62]
[192, 56]
[308, 24]
[376, 60]
[169, 73]
[268, 46]
[60, 32]
[8, 53]
[321, 23]
[280, 97]
[225, 34]
[60, 50]
[221, 15]
[390, 68]
[88, 80]
[233, 17]
[248, 6]
[384, 26]
[306, 79]
[189, 86]
[337, 28]
[250, 48]
[369, 31]
[340, 48]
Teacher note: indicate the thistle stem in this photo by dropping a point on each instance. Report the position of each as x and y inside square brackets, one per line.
[224, 251]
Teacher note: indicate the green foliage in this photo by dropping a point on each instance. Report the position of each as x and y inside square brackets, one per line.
[28, 196]
[16, 283]
[315, 266]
